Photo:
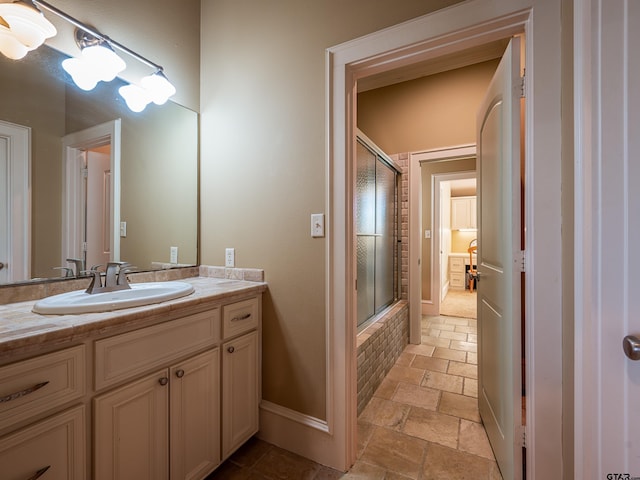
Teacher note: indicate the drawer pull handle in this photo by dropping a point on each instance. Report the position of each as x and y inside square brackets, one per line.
[231, 349]
[163, 381]
[180, 373]
[26, 391]
[243, 317]
[39, 473]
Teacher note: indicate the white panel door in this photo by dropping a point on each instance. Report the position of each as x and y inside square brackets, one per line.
[499, 350]
[607, 396]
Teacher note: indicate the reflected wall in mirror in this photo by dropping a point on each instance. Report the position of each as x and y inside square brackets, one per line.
[158, 158]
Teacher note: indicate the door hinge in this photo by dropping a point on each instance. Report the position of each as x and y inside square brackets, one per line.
[84, 172]
[523, 436]
[522, 84]
[84, 246]
[520, 261]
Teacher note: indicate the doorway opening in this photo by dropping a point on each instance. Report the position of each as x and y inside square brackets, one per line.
[91, 210]
[456, 244]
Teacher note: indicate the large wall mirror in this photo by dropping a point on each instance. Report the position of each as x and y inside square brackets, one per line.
[102, 181]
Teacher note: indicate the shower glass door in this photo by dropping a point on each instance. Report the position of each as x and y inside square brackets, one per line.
[377, 232]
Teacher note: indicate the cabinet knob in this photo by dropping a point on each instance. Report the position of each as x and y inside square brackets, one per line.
[163, 381]
[180, 373]
[231, 349]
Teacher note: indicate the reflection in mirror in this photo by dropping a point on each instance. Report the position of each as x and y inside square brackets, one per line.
[129, 194]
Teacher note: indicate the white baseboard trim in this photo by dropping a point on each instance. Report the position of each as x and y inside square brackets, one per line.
[294, 416]
[428, 308]
[302, 434]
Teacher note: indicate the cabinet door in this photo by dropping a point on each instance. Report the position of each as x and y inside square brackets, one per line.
[240, 395]
[131, 430]
[460, 213]
[53, 449]
[195, 416]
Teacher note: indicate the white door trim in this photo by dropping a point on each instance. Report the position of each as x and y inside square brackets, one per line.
[416, 303]
[456, 28]
[19, 204]
[72, 221]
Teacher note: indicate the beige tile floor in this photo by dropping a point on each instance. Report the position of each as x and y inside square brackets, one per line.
[422, 423]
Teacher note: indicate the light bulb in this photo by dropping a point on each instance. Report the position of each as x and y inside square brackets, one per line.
[158, 87]
[136, 98]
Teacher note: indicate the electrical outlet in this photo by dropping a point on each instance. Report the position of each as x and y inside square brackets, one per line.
[173, 254]
[230, 257]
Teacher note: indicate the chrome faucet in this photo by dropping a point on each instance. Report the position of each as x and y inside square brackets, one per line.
[115, 278]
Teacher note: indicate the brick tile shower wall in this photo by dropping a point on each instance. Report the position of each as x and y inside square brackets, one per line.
[379, 346]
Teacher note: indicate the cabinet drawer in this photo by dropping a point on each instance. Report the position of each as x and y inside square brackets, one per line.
[39, 384]
[240, 317]
[457, 280]
[456, 264]
[124, 356]
[56, 444]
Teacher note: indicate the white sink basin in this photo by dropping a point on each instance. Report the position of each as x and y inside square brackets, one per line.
[140, 294]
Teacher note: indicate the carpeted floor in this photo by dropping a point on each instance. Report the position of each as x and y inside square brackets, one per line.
[459, 303]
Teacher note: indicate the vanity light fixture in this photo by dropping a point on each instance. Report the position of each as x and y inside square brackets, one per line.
[98, 61]
[22, 28]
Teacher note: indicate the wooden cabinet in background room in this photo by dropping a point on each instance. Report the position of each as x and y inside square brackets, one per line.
[463, 213]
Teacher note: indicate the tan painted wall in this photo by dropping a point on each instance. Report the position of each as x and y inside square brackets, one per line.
[263, 164]
[426, 113]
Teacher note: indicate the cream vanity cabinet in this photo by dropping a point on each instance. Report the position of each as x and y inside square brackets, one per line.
[44, 392]
[240, 374]
[463, 213]
[180, 393]
[457, 272]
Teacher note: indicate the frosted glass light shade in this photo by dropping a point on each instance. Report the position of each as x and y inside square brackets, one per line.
[28, 25]
[10, 47]
[96, 63]
[158, 87]
[103, 61]
[82, 76]
[136, 98]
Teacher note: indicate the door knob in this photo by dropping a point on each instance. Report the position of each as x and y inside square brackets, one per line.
[631, 347]
[1, 265]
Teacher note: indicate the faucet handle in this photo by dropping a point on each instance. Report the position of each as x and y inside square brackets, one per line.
[68, 272]
[96, 281]
[79, 264]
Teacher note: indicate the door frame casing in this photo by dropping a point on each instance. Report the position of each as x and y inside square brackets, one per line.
[445, 31]
[19, 212]
[417, 306]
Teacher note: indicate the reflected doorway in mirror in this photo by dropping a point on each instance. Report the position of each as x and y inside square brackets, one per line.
[91, 213]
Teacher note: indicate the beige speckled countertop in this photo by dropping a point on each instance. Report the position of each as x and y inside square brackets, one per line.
[21, 329]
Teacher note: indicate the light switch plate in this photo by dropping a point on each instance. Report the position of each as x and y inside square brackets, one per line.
[123, 229]
[317, 225]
